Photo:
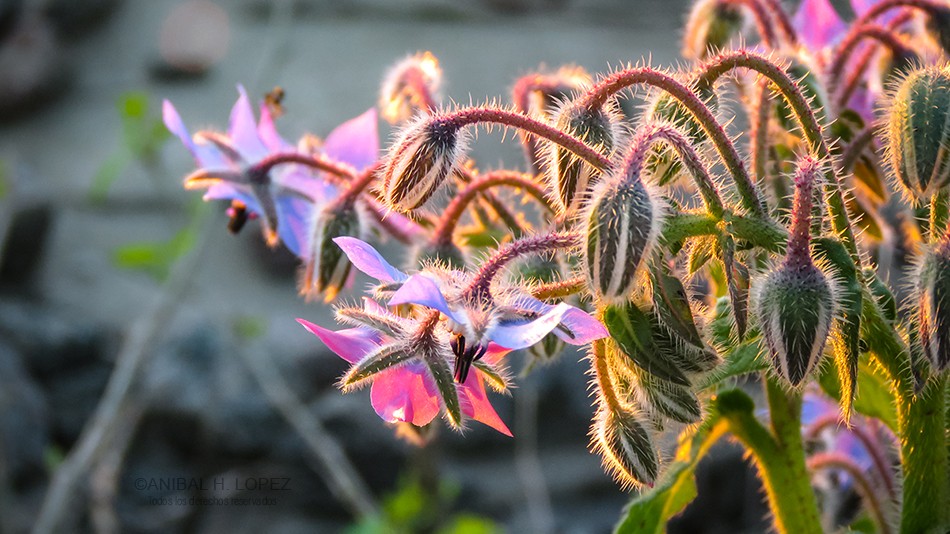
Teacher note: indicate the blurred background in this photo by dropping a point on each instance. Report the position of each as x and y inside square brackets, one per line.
[106, 259]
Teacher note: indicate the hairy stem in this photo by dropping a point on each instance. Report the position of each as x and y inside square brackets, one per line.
[843, 92]
[479, 286]
[559, 289]
[830, 460]
[621, 80]
[849, 45]
[812, 131]
[469, 116]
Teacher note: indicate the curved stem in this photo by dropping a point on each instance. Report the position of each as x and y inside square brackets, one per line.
[849, 45]
[469, 116]
[763, 23]
[651, 133]
[619, 81]
[871, 445]
[831, 460]
[929, 6]
[785, 26]
[456, 208]
[759, 130]
[811, 130]
[844, 91]
[313, 161]
[478, 288]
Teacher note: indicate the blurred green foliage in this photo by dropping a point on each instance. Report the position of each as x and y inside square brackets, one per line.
[143, 134]
[413, 507]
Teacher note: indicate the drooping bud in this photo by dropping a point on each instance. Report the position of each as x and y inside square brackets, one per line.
[626, 446]
[934, 299]
[572, 176]
[794, 303]
[326, 267]
[410, 87]
[623, 226]
[919, 132]
[421, 160]
[710, 26]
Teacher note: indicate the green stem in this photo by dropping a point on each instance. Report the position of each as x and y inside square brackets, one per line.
[780, 458]
[922, 425]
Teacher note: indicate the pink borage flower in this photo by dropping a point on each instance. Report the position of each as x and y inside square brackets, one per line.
[407, 358]
[233, 166]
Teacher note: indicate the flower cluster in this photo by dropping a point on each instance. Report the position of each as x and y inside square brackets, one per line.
[680, 261]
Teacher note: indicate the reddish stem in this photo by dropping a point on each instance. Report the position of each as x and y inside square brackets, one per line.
[870, 445]
[619, 81]
[468, 116]
[832, 460]
[312, 161]
[456, 208]
[478, 288]
[797, 254]
[763, 23]
[850, 43]
[853, 79]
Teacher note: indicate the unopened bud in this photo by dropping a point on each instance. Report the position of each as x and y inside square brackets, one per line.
[919, 132]
[572, 176]
[934, 300]
[710, 27]
[410, 87]
[421, 160]
[327, 268]
[627, 448]
[623, 225]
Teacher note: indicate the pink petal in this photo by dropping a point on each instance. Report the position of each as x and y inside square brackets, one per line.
[495, 353]
[366, 259]
[356, 141]
[205, 155]
[267, 132]
[243, 129]
[228, 191]
[474, 402]
[405, 394]
[350, 344]
[818, 24]
[293, 216]
[583, 327]
[421, 290]
[861, 7]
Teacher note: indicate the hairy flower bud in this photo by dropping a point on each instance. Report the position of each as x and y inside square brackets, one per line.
[327, 268]
[795, 303]
[623, 225]
[710, 26]
[934, 300]
[410, 87]
[627, 447]
[918, 132]
[794, 308]
[420, 161]
[572, 176]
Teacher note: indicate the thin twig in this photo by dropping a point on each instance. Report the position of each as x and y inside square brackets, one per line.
[134, 354]
[339, 473]
[104, 478]
[528, 463]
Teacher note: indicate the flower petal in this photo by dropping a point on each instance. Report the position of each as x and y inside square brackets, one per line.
[350, 344]
[356, 141]
[521, 335]
[243, 129]
[366, 259]
[294, 216]
[267, 132]
[818, 24]
[405, 394]
[475, 403]
[583, 327]
[421, 290]
[205, 155]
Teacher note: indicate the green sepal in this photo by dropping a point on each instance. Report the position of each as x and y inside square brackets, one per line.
[631, 328]
[373, 363]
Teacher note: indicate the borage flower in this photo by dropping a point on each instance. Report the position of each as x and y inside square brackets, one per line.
[407, 357]
[265, 176]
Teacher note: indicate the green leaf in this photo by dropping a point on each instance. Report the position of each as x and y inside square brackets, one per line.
[632, 330]
[470, 524]
[746, 358]
[155, 257]
[649, 512]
